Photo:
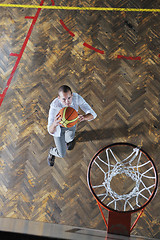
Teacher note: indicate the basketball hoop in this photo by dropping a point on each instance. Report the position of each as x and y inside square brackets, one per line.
[123, 179]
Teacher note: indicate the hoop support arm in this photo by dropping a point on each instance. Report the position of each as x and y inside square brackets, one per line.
[102, 214]
[136, 219]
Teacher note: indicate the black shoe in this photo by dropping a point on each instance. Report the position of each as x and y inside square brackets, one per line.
[50, 160]
[71, 145]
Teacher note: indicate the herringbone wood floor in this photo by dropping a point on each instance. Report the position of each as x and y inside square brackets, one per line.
[124, 93]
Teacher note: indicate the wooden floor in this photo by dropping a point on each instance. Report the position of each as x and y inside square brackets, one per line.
[123, 92]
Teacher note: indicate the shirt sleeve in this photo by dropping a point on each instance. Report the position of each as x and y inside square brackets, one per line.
[51, 116]
[86, 107]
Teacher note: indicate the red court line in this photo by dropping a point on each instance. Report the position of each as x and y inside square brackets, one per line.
[14, 54]
[2, 96]
[53, 3]
[65, 27]
[93, 48]
[129, 58]
[29, 17]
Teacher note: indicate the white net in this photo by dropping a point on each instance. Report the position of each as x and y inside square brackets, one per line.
[123, 178]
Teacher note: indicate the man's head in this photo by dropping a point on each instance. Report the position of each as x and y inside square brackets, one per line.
[65, 95]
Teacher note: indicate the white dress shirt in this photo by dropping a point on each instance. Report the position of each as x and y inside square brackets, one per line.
[56, 105]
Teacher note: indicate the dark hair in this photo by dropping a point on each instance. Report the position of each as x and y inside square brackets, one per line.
[64, 88]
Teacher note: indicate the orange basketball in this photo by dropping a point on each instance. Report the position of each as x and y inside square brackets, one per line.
[69, 117]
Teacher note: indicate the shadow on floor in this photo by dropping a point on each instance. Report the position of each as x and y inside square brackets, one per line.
[100, 134]
[20, 236]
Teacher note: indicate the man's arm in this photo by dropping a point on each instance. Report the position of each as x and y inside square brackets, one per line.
[87, 117]
[89, 112]
[53, 126]
[53, 119]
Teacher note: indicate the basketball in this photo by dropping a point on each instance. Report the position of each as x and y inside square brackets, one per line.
[69, 117]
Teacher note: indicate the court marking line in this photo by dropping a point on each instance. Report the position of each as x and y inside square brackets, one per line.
[19, 56]
[129, 58]
[2, 95]
[66, 28]
[29, 17]
[84, 44]
[14, 54]
[93, 48]
[81, 8]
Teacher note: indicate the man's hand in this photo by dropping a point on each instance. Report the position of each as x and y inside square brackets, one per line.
[81, 118]
[56, 122]
[88, 116]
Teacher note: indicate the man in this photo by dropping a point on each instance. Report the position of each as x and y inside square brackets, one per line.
[64, 137]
